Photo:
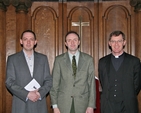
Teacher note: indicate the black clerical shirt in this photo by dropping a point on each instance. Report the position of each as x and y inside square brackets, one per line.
[116, 61]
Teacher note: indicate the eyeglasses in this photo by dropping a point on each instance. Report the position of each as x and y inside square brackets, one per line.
[114, 41]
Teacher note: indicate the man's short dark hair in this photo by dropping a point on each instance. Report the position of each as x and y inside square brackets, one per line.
[30, 31]
[72, 32]
[117, 33]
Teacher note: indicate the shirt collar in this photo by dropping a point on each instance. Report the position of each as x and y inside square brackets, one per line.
[32, 55]
[76, 54]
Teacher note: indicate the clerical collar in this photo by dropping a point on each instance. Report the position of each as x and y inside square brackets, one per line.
[118, 55]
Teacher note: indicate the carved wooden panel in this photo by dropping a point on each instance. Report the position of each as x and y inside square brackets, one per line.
[44, 24]
[116, 16]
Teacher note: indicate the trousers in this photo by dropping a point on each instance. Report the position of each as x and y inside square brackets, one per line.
[72, 107]
[115, 107]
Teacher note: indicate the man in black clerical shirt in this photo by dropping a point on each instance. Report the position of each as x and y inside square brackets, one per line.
[120, 78]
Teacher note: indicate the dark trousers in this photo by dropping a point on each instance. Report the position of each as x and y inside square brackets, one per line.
[115, 107]
[72, 107]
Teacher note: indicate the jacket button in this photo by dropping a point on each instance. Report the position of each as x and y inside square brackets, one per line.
[115, 95]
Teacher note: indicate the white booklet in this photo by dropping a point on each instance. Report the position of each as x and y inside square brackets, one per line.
[32, 85]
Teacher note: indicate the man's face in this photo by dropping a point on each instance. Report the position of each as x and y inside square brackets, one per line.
[72, 42]
[117, 43]
[28, 41]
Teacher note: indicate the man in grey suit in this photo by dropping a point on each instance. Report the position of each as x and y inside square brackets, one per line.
[120, 78]
[73, 92]
[22, 68]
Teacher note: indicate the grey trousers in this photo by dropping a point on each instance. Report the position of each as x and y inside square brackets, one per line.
[72, 107]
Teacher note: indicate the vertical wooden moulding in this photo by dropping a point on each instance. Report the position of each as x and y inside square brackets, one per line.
[138, 45]
[60, 29]
[137, 34]
[2, 60]
[21, 25]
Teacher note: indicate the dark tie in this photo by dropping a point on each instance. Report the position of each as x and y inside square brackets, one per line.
[74, 66]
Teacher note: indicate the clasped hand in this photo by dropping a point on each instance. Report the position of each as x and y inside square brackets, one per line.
[33, 95]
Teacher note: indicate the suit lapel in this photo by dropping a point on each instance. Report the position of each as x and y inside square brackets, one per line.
[22, 60]
[107, 65]
[67, 61]
[36, 63]
[125, 64]
[81, 61]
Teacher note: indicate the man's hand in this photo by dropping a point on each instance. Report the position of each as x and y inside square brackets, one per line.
[38, 94]
[56, 110]
[33, 96]
[90, 110]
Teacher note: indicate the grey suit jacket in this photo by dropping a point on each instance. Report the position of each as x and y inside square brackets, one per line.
[131, 83]
[65, 87]
[18, 76]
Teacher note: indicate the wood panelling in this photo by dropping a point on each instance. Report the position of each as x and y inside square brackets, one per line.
[115, 16]
[21, 25]
[51, 21]
[137, 38]
[2, 58]
[44, 24]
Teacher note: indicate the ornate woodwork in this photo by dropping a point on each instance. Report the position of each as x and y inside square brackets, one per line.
[4, 4]
[136, 4]
[21, 5]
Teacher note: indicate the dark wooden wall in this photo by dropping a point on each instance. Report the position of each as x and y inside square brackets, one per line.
[51, 21]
